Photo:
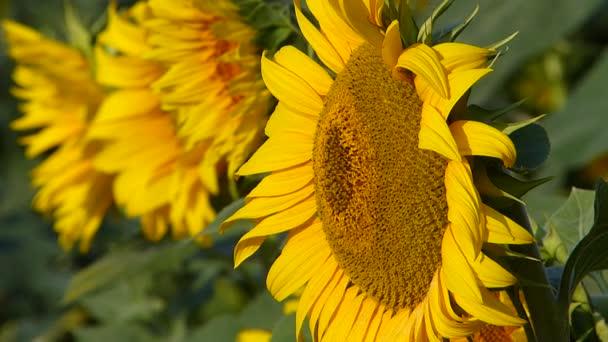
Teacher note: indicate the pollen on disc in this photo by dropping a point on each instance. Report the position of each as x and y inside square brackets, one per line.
[381, 199]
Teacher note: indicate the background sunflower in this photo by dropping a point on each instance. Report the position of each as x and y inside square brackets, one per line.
[173, 290]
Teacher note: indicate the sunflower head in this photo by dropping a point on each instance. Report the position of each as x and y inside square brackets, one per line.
[370, 173]
[212, 75]
[190, 66]
[59, 99]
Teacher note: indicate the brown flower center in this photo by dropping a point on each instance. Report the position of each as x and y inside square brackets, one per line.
[381, 199]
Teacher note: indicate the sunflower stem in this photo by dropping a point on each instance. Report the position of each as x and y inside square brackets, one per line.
[542, 302]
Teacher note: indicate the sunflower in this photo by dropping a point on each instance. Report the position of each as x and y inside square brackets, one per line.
[60, 98]
[166, 158]
[212, 84]
[371, 177]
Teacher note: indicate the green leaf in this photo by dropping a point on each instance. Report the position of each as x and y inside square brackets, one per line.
[590, 254]
[127, 262]
[532, 145]
[122, 303]
[573, 220]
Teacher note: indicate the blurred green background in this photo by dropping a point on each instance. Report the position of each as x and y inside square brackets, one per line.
[126, 289]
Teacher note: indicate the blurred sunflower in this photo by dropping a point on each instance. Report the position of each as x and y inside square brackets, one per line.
[370, 174]
[167, 157]
[60, 98]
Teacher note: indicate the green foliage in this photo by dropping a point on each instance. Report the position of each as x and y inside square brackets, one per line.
[272, 22]
[125, 263]
[577, 131]
[590, 254]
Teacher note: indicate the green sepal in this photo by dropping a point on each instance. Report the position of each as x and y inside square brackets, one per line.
[425, 35]
[451, 32]
[517, 264]
[478, 113]
[499, 44]
[532, 146]
[511, 183]
[510, 127]
[407, 26]
[456, 31]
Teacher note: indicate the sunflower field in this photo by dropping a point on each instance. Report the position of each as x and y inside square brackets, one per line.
[303, 170]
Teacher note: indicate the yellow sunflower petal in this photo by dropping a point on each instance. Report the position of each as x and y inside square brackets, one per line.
[368, 312]
[279, 152]
[334, 27]
[284, 181]
[429, 326]
[396, 330]
[458, 56]
[278, 223]
[458, 274]
[300, 64]
[385, 322]
[491, 274]
[374, 325]
[289, 88]
[298, 261]
[463, 207]
[338, 279]
[478, 139]
[286, 120]
[503, 230]
[357, 15]
[391, 46]
[435, 134]
[331, 305]
[344, 319]
[445, 321]
[324, 49]
[459, 83]
[489, 310]
[264, 206]
[315, 287]
[423, 61]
